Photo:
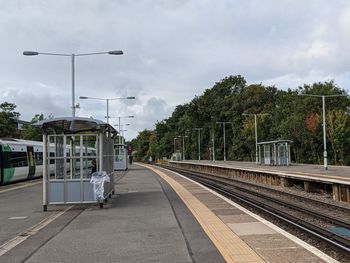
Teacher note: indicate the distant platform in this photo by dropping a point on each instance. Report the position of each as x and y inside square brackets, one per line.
[313, 178]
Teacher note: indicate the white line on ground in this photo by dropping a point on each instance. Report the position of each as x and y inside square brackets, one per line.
[30, 232]
[19, 187]
[17, 217]
[300, 242]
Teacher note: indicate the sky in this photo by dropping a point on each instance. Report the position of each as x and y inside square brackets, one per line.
[173, 51]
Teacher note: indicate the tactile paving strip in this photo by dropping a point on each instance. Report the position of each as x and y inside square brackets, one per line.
[232, 248]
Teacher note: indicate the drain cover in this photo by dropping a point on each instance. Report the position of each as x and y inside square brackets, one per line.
[341, 231]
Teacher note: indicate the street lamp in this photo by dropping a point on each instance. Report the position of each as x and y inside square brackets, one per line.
[175, 144]
[183, 146]
[121, 127]
[213, 147]
[325, 160]
[256, 133]
[35, 53]
[107, 102]
[223, 127]
[199, 142]
[123, 135]
[119, 117]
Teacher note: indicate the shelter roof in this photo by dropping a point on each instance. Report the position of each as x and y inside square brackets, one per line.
[74, 125]
[275, 142]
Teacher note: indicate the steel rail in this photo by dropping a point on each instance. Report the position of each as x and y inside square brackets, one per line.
[316, 231]
[336, 206]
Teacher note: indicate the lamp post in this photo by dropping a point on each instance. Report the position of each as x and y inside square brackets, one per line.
[199, 142]
[213, 150]
[35, 53]
[223, 127]
[183, 146]
[121, 127]
[123, 140]
[107, 102]
[325, 157]
[175, 138]
[119, 117]
[256, 132]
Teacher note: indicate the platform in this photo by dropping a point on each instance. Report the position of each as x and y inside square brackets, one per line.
[313, 178]
[156, 216]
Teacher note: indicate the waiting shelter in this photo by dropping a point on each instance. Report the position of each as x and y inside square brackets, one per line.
[121, 157]
[74, 148]
[274, 152]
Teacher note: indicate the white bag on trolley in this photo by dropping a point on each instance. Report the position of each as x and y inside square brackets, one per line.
[98, 179]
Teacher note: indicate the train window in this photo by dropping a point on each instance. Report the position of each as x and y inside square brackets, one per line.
[18, 159]
[52, 154]
[73, 145]
[89, 145]
[56, 142]
[38, 158]
[89, 166]
[73, 168]
[59, 168]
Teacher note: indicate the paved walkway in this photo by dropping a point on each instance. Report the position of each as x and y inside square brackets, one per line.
[145, 222]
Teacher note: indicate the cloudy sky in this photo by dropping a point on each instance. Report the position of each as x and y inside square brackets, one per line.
[173, 50]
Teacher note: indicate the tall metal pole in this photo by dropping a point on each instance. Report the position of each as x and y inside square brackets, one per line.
[35, 53]
[183, 147]
[325, 157]
[256, 140]
[108, 111]
[119, 131]
[325, 164]
[199, 143]
[223, 126]
[224, 133]
[73, 87]
[213, 146]
[174, 144]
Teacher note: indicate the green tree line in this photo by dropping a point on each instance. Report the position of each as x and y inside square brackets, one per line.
[285, 115]
[8, 128]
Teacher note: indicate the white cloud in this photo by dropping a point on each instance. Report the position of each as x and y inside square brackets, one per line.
[173, 51]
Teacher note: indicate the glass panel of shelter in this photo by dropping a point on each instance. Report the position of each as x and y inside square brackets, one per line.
[89, 157]
[73, 153]
[76, 161]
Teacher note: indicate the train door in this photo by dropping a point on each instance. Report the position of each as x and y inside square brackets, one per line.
[31, 163]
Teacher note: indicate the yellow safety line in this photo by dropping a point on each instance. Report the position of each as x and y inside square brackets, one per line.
[231, 247]
[19, 187]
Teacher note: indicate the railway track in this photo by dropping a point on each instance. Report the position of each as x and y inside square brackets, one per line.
[310, 216]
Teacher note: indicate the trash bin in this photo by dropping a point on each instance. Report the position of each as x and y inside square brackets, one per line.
[98, 180]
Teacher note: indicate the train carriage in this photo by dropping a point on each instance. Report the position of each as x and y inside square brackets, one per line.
[20, 160]
[23, 160]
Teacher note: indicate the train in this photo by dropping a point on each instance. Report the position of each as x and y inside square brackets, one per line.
[20, 160]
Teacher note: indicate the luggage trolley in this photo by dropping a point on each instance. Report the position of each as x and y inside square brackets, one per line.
[73, 149]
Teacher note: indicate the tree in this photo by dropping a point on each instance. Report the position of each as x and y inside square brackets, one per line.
[7, 119]
[337, 134]
[31, 132]
[291, 117]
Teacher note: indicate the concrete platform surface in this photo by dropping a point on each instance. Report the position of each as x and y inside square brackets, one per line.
[145, 222]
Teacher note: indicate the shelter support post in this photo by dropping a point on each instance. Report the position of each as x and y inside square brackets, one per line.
[44, 172]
